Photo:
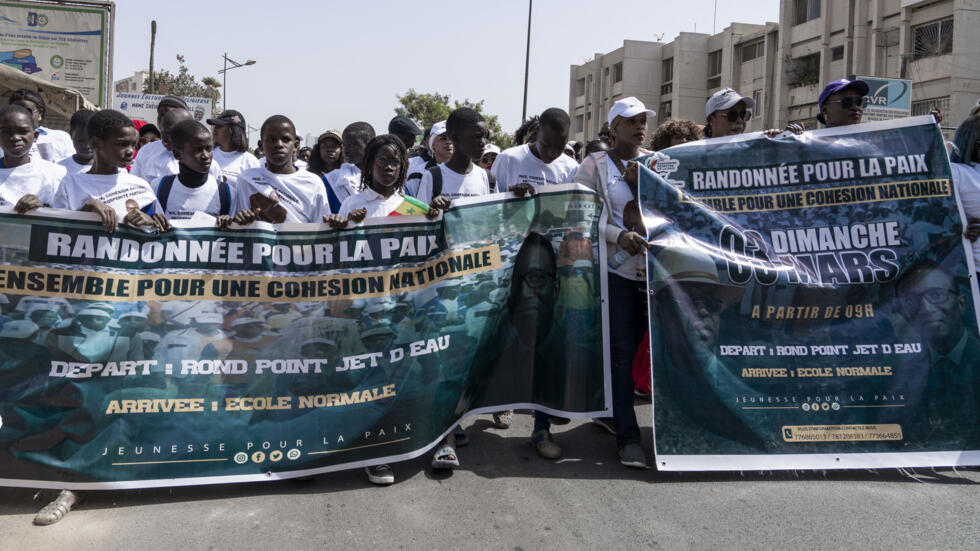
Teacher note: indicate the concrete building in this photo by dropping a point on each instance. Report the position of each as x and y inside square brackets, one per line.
[133, 84]
[784, 66]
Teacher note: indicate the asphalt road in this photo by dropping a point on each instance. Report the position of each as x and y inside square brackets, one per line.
[505, 497]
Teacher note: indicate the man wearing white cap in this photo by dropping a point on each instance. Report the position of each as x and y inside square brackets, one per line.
[248, 341]
[539, 163]
[89, 339]
[442, 150]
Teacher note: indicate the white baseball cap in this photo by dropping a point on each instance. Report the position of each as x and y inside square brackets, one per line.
[18, 329]
[725, 99]
[490, 148]
[628, 107]
[209, 317]
[438, 129]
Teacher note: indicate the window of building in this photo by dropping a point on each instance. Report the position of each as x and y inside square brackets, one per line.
[667, 72]
[757, 98]
[588, 88]
[580, 87]
[579, 123]
[665, 112]
[618, 72]
[931, 39]
[714, 69]
[837, 53]
[925, 106]
[753, 50]
[805, 10]
[803, 71]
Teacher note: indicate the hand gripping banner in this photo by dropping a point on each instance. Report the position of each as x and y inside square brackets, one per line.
[813, 303]
[200, 356]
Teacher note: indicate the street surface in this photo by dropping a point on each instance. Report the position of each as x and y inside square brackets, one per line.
[506, 497]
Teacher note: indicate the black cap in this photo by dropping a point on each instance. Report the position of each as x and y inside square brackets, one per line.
[404, 125]
[229, 116]
[173, 100]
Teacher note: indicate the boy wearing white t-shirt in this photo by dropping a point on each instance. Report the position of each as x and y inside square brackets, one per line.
[107, 189]
[50, 145]
[193, 189]
[278, 192]
[83, 158]
[458, 177]
[538, 163]
[26, 183]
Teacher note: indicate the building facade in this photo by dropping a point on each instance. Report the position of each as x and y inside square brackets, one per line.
[784, 65]
[133, 84]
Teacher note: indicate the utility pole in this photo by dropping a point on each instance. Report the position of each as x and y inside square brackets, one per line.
[153, 42]
[527, 58]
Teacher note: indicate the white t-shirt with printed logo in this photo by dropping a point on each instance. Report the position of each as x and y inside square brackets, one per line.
[517, 165]
[300, 193]
[454, 184]
[232, 164]
[73, 167]
[184, 201]
[144, 156]
[114, 190]
[37, 177]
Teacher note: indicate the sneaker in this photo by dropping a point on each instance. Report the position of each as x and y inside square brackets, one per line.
[503, 419]
[631, 455]
[606, 423]
[381, 475]
[546, 447]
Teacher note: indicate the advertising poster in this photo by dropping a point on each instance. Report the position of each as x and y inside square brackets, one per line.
[200, 356]
[812, 303]
[888, 98]
[66, 45]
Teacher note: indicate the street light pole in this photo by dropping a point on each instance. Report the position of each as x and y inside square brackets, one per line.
[527, 59]
[224, 76]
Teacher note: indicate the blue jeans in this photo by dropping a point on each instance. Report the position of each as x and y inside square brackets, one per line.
[627, 324]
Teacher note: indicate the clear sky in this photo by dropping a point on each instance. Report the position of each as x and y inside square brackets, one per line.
[325, 63]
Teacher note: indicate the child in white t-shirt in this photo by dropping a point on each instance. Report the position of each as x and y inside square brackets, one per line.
[458, 177]
[231, 145]
[193, 189]
[386, 165]
[50, 145]
[107, 189]
[26, 183]
[165, 163]
[83, 158]
[278, 192]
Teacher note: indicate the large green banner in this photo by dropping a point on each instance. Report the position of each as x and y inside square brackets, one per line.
[812, 302]
[201, 356]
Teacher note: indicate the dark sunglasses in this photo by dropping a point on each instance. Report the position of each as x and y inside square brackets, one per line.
[733, 115]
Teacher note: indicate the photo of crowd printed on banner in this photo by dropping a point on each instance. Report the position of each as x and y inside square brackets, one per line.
[201, 356]
[813, 303]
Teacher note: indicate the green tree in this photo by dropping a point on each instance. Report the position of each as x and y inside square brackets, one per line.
[184, 84]
[429, 109]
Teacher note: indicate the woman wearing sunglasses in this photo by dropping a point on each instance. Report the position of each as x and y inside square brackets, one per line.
[727, 114]
[842, 102]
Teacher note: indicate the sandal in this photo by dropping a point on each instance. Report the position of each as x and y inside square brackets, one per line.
[445, 458]
[57, 509]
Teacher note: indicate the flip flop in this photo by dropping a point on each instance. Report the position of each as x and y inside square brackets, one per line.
[445, 458]
[57, 509]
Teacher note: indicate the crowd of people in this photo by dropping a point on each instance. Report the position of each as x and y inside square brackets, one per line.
[146, 174]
